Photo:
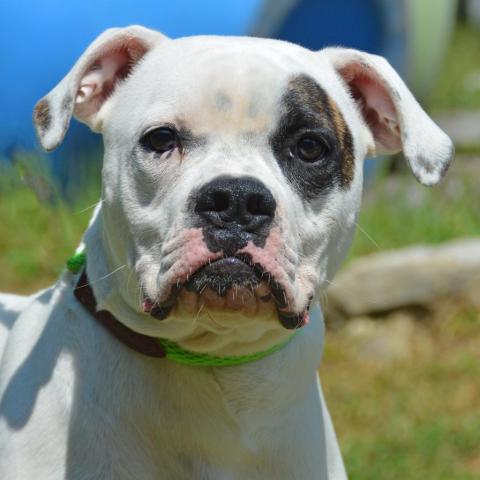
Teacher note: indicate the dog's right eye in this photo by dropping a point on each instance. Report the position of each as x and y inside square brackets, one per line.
[160, 140]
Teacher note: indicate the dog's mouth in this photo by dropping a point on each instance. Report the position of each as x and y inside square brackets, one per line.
[230, 284]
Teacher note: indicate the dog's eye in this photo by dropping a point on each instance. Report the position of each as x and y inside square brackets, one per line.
[311, 148]
[160, 140]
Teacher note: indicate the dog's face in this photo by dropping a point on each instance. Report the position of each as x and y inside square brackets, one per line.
[233, 171]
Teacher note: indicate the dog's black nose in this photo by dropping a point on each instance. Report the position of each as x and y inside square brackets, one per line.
[236, 203]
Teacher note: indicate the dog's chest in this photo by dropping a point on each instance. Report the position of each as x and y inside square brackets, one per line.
[190, 422]
[197, 423]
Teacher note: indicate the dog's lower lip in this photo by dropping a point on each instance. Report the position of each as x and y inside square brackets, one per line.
[161, 313]
[278, 294]
[292, 321]
[162, 310]
[220, 276]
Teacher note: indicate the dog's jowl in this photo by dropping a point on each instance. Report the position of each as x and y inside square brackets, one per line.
[186, 340]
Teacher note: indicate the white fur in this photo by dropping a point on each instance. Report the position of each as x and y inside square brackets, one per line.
[77, 404]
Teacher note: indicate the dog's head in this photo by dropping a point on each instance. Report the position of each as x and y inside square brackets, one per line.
[232, 173]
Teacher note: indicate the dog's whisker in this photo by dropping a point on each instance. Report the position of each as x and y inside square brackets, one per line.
[93, 205]
[128, 279]
[198, 313]
[212, 320]
[369, 237]
[107, 275]
[323, 300]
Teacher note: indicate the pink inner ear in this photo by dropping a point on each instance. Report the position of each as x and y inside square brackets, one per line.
[101, 77]
[99, 81]
[375, 102]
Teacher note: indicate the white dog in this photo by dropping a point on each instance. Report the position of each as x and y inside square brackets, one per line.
[232, 180]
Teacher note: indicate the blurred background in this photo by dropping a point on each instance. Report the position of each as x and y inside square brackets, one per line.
[401, 368]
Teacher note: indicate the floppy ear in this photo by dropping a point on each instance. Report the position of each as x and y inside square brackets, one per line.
[392, 115]
[91, 81]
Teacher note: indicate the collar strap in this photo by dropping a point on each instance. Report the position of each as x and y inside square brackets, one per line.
[158, 347]
[136, 341]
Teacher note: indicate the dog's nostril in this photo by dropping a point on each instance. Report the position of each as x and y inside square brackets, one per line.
[258, 204]
[221, 201]
[235, 203]
[213, 201]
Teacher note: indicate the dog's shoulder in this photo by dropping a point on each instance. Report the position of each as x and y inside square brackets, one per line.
[35, 323]
[11, 307]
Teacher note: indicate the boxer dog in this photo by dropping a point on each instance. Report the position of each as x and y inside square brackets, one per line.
[187, 344]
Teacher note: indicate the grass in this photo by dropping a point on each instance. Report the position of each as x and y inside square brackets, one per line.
[36, 238]
[399, 212]
[411, 419]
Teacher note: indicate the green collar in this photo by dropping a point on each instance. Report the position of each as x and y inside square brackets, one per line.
[150, 346]
[180, 355]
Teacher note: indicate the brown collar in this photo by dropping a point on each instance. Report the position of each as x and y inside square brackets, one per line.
[136, 341]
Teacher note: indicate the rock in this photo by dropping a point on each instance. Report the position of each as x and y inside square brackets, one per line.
[396, 338]
[415, 276]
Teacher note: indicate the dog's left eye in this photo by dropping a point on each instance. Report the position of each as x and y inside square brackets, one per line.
[160, 140]
[311, 148]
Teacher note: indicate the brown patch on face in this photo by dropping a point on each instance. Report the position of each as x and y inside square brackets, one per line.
[41, 115]
[308, 111]
[346, 144]
[327, 112]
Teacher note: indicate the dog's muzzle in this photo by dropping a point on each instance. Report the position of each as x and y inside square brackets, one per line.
[233, 215]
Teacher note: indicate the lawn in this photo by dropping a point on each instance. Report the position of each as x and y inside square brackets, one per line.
[416, 418]
[36, 238]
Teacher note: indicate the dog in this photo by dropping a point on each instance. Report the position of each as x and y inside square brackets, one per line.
[186, 342]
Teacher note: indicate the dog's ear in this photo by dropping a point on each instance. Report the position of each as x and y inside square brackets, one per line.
[392, 115]
[91, 81]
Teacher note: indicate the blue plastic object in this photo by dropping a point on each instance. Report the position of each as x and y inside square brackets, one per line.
[40, 42]
[316, 24]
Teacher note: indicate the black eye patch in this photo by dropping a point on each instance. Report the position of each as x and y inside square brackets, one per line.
[312, 143]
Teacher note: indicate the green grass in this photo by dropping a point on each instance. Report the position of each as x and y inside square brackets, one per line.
[36, 238]
[413, 419]
[399, 212]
